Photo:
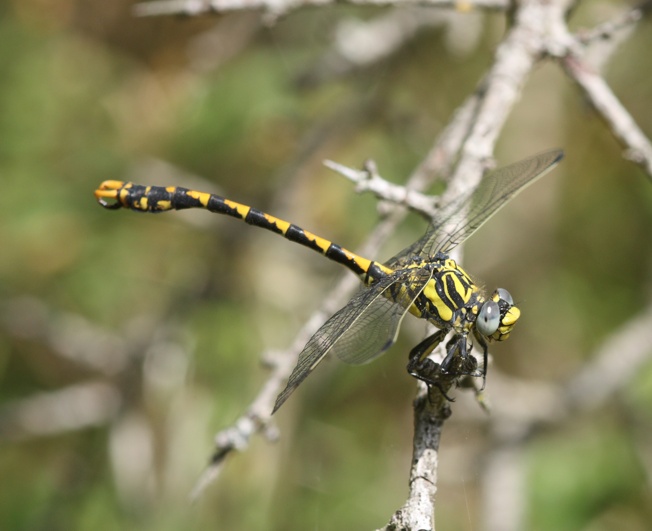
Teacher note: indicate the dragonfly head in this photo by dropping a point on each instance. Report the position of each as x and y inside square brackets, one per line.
[497, 316]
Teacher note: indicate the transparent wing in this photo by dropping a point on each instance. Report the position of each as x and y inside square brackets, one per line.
[362, 330]
[462, 217]
[377, 326]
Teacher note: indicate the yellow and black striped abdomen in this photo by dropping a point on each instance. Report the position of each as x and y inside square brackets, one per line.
[160, 199]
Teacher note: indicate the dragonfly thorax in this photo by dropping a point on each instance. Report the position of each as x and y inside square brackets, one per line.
[448, 294]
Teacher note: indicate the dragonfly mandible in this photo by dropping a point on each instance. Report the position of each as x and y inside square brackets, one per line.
[421, 279]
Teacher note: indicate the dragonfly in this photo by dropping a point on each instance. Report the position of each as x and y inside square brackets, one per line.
[421, 279]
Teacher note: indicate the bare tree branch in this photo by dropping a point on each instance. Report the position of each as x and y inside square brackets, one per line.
[359, 44]
[572, 52]
[369, 180]
[607, 30]
[142, 357]
[277, 8]
[67, 335]
[72, 408]
[620, 122]
[430, 412]
[616, 362]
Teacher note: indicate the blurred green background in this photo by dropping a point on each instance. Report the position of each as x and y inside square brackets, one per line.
[127, 340]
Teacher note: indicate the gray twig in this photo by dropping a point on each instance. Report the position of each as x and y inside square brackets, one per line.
[281, 7]
[572, 52]
[608, 106]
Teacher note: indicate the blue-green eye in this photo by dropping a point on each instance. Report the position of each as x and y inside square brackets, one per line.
[505, 295]
[489, 318]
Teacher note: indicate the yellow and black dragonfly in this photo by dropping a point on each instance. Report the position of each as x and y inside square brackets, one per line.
[421, 279]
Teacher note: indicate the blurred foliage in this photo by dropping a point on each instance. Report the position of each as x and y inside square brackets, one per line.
[89, 93]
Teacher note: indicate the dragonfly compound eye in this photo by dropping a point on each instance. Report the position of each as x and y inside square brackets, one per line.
[509, 314]
[488, 319]
[505, 296]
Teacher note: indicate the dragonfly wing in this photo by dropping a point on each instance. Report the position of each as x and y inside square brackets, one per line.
[359, 332]
[460, 218]
[376, 327]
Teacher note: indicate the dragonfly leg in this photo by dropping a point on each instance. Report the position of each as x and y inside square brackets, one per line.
[422, 367]
[419, 354]
[460, 362]
[485, 357]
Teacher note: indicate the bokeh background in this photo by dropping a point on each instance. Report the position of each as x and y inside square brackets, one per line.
[127, 340]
